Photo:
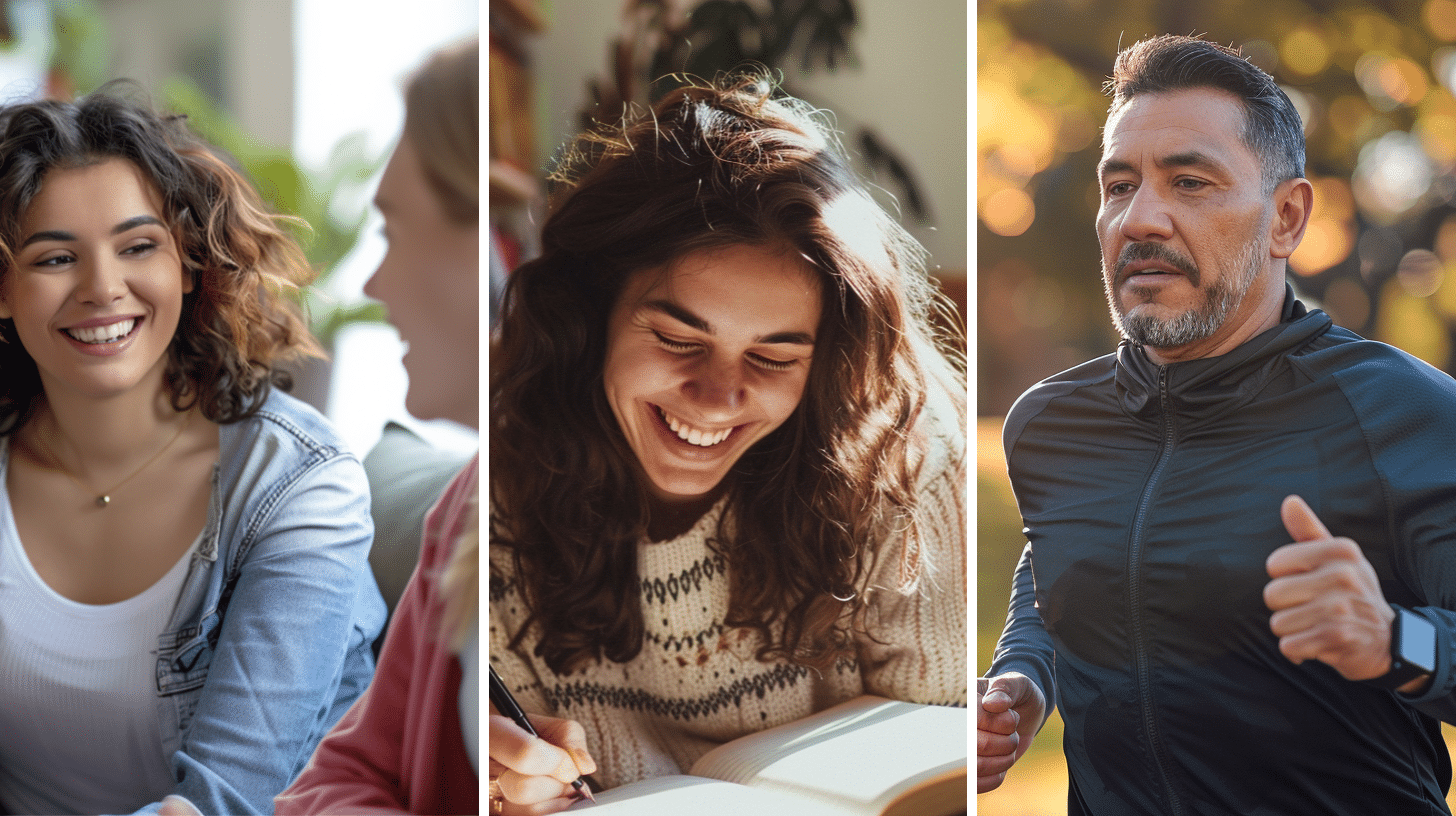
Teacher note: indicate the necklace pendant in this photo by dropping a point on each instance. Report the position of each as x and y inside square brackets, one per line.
[103, 500]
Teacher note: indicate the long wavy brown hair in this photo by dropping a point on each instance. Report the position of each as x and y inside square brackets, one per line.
[714, 164]
[238, 323]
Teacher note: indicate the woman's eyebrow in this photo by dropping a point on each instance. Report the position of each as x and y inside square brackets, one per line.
[62, 235]
[795, 338]
[679, 314]
[687, 318]
[136, 221]
[47, 235]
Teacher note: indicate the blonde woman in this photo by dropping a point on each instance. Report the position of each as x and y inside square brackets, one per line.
[410, 744]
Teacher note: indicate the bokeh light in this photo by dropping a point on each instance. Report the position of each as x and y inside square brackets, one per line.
[1436, 130]
[1440, 18]
[1390, 82]
[1392, 173]
[1369, 30]
[1031, 112]
[1306, 52]
[1008, 212]
[1410, 323]
[1330, 236]
[1444, 299]
[1420, 273]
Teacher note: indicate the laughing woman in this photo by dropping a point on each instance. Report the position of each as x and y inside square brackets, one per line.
[727, 452]
[183, 581]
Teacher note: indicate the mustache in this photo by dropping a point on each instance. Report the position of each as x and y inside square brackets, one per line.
[1151, 251]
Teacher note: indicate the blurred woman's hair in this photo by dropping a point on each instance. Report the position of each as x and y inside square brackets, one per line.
[714, 165]
[239, 322]
[442, 121]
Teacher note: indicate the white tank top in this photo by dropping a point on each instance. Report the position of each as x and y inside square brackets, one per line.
[80, 729]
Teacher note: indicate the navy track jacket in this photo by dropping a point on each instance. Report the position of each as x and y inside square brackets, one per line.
[1150, 496]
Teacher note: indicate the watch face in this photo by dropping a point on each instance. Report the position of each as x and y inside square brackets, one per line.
[1417, 641]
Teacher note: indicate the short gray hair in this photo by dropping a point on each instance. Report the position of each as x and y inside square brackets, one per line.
[1272, 127]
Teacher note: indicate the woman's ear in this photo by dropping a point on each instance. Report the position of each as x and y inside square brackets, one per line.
[1293, 201]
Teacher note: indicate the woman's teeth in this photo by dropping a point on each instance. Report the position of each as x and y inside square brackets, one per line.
[97, 335]
[693, 436]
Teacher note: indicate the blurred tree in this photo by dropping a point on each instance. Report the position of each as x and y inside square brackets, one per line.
[288, 187]
[1374, 83]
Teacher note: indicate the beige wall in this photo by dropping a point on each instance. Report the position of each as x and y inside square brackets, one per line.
[241, 50]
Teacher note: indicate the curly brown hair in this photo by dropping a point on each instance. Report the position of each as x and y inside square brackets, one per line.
[711, 165]
[238, 322]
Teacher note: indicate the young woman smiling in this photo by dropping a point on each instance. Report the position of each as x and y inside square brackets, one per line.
[727, 451]
[183, 582]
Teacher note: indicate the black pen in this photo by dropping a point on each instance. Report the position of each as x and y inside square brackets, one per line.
[501, 698]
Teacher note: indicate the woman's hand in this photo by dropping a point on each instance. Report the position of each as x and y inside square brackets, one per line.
[534, 775]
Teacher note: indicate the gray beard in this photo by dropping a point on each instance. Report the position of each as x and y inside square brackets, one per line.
[1220, 299]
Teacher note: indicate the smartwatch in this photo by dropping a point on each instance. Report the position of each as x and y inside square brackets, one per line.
[1412, 650]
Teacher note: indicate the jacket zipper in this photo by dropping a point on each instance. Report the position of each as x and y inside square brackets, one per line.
[1142, 660]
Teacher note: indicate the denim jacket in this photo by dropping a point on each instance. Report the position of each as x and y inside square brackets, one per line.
[270, 642]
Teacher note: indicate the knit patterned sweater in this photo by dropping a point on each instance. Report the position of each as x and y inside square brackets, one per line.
[696, 683]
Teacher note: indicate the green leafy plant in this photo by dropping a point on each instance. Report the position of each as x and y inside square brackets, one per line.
[289, 188]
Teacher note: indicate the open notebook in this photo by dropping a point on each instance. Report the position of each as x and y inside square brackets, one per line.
[866, 757]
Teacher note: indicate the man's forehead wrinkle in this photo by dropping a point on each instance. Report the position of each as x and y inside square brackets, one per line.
[1190, 158]
[1139, 119]
[1202, 150]
[1182, 158]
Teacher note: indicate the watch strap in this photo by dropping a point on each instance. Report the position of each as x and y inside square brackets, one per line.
[1410, 658]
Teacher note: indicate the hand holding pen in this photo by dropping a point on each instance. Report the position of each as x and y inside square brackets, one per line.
[530, 768]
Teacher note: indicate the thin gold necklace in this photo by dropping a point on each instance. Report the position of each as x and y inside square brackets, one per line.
[104, 498]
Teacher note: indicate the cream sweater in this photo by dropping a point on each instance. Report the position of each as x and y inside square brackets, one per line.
[696, 683]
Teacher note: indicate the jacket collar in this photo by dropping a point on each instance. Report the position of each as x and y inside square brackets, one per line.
[1208, 386]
